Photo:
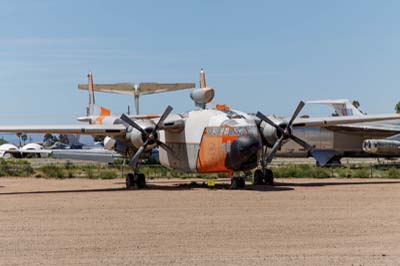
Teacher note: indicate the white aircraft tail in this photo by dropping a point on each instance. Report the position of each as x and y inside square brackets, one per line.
[342, 107]
[94, 110]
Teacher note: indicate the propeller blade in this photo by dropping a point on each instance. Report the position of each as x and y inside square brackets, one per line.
[134, 162]
[270, 122]
[274, 149]
[296, 113]
[132, 123]
[164, 146]
[301, 142]
[166, 113]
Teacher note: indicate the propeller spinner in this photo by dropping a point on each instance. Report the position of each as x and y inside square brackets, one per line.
[284, 132]
[149, 137]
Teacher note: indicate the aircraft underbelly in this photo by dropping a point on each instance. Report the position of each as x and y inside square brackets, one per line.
[347, 142]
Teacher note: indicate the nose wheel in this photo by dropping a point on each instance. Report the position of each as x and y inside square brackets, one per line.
[135, 180]
[263, 177]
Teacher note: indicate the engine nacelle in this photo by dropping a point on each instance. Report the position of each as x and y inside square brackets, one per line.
[382, 147]
[109, 143]
[137, 138]
[202, 96]
[269, 133]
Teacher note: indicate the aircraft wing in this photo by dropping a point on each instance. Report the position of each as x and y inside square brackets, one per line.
[341, 120]
[94, 130]
[142, 88]
[96, 155]
[383, 130]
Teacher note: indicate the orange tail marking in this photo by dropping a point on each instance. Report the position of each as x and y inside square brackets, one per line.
[202, 79]
[104, 112]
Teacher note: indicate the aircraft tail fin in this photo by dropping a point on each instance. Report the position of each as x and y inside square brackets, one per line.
[92, 102]
[202, 79]
[342, 107]
[94, 110]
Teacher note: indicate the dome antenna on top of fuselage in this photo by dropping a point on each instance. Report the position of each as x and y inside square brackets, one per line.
[203, 95]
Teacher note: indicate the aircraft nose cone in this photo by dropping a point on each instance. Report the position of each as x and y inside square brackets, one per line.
[243, 153]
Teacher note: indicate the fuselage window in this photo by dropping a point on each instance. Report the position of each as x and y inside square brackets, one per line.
[241, 131]
[226, 131]
[232, 132]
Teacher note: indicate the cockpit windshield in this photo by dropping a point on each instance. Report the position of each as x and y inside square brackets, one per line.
[232, 131]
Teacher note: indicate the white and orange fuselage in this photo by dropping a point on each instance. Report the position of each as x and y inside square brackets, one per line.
[209, 142]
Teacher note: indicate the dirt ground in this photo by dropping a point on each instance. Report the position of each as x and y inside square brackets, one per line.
[298, 222]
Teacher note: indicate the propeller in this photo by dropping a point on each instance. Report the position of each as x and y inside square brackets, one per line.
[284, 132]
[150, 137]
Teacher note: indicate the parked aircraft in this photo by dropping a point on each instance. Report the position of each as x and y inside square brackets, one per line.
[75, 151]
[9, 150]
[373, 139]
[205, 140]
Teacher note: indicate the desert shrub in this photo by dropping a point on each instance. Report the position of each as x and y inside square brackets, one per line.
[53, 171]
[15, 168]
[361, 173]
[393, 173]
[321, 172]
[108, 174]
[89, 172]
[286, 171]
[342, 172]
[301, 171]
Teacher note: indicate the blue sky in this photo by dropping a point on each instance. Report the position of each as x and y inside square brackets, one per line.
[258, 55]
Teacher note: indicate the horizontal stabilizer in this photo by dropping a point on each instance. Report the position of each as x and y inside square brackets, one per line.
[140, 89]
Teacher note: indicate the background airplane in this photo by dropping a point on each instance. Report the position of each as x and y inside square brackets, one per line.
[204, 140]
[372, 139]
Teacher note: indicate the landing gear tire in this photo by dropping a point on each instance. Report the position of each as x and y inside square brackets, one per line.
[238, 183]
[268, 177]
[258, 178]
[265, 177]
[135, 180]
[130, 181]
[140, 181]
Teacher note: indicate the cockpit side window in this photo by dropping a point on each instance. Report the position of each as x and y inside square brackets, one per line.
[226, 131]
[241, 131]
[252, 131]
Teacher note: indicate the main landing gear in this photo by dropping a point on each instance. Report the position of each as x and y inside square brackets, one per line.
[238, 182]
[263, 177]
[135, 180]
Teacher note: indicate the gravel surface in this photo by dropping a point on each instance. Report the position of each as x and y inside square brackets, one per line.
[298, 222]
